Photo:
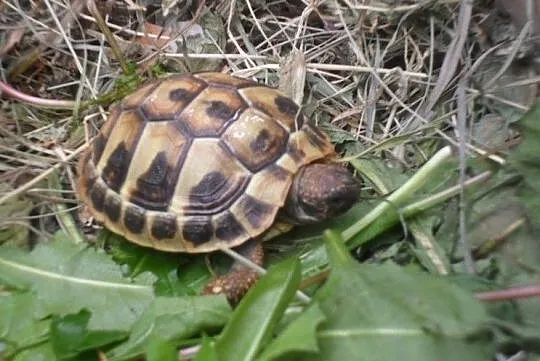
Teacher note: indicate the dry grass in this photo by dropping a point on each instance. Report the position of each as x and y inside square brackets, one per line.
[402, 80]
[397, 82]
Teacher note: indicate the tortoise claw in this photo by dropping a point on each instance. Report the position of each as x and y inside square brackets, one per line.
[235, 284]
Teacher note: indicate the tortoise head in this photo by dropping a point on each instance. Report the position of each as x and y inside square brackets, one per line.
[319, 192]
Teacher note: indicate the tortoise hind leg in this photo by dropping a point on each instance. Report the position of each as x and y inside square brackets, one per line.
[240, 277]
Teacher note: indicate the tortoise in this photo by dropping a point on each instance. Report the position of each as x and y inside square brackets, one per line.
[200, 162]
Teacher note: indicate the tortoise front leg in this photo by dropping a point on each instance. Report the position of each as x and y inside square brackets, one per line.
[239, 278]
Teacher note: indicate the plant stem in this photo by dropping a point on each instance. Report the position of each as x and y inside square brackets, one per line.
[400, 195]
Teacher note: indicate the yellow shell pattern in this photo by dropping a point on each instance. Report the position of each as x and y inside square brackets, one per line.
[197, 162]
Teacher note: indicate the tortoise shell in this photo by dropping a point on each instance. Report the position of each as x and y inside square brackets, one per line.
[197, 162]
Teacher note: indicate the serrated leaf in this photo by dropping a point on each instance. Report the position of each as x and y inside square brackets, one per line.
[177, 274]
[68, 277]
[70, 335]
[299, 337]
[159, 349]
[207, 351]
[173, 319]
[383, 312]
[20, 327]
[40, 352]
[257, 315]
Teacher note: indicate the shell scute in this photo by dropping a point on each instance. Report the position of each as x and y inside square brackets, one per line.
[301, 149]
[171, 97]
[211, 111]
[136, 98]
[157, 161]
[255, 214]
[113, 207]
[255, 139]
[98, 192]
[271, 184]
[275, 105]
[115, 169]
[200, 190]
[228, 228]
[164, 226]
[134, 219]
[116, 156]
[198, 230]
[98, 146]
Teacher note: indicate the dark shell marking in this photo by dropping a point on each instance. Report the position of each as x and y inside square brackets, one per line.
[286, 106]
[277, 172]
[220, 110]
[171, 96]
[115, 169]
[134, 219]
[262, 143]
[255, 140]
[197, 162]
[210, 183]
[210, 189]
[275, 105]
[198, 230]
[156, 175]
[164, 226]
[296, 153]
[122, 141]
[153, 185]
[228, 228]
[100, 142]
[212, 111]
[99, 146]
[180, 95]
[255, 210]
[316, 137]
[97, 195]
[113, 207]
